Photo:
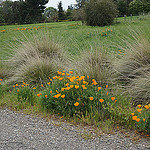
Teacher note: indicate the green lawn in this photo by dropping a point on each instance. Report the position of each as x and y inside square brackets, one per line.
[75, 36]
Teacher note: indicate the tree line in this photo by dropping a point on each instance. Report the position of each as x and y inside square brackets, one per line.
[34, 11]
[22, 11]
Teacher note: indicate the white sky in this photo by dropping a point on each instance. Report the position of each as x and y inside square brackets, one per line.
[65, 3]
[54, 3]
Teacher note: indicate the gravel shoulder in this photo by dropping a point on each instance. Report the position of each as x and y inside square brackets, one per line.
[25, 132]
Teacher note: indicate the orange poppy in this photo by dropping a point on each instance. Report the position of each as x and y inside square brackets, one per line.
[101, 100]
[76, 104]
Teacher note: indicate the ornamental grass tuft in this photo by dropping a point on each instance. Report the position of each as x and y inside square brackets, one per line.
[132, 70]
[36, 59]
[95, 64]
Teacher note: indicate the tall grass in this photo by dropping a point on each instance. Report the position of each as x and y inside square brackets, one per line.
[36, 58]
[133, 67]
[96, 64]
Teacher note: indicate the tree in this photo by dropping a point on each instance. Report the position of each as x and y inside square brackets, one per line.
[51, 14]
[123, 7]
[6, 9]
[100, 12]
[80, 3]
[19, 12]
[35, 8]
[61, 14]
[139, 6]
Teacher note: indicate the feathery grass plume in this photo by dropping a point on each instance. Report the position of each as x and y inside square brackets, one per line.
[95, 64]
[134, 67]
[140, 89]
[37, 58]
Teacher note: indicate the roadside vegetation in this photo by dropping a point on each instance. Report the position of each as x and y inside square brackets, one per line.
[97, 76]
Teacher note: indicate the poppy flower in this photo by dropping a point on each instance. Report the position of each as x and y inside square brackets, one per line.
[101, 100]
[134, 117]
[146, 106]
[112, 98]
[63, 96]
[76, 86]
[138, 119]
[139, 110]
[76, 104]
[91, 98]
[139, 106]
[99, 89]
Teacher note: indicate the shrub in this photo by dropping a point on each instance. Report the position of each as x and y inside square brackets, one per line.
[100, 12]
[71, 95]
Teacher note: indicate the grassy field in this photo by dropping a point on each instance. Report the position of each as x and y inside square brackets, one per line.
[75, 36]
[85, 50]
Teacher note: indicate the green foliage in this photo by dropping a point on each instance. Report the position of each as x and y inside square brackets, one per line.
[123, 7]
[25, 94]
[34, 10]
[139, 6]
[71, 96]
[61, 14]
[80, 3]
[100, 12]
[51, 14]
[20, 12]
[142, 118]
[78, 14]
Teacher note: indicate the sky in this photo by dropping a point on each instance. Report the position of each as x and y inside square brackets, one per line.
[65, 3]
[54, 3]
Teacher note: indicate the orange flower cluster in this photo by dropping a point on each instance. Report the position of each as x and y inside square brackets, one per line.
[24, 29]
[139, 110]
[2, 30]
[105, 32]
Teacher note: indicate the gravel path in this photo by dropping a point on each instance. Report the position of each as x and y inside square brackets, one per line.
[25, 132]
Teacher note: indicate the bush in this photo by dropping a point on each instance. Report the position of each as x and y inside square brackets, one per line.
[71, 95]
[100, 12]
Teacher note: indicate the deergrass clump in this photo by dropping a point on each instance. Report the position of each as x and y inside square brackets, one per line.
[35, 71]
[133, 68]
[95, 64]
[36, 59]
